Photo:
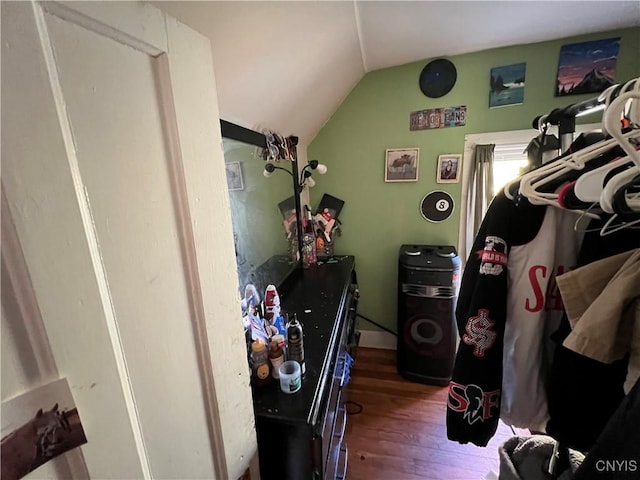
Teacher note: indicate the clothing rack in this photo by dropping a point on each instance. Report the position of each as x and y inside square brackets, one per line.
[565, 117]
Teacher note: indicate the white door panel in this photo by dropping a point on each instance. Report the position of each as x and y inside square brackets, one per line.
[43, 201]
[114, 176]
[114, 114]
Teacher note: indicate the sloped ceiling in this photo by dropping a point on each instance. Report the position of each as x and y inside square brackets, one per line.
[287, 66]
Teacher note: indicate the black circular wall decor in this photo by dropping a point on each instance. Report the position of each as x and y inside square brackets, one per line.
[438, 78]
[437, 206]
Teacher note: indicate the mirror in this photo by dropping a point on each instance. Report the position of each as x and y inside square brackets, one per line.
[263, 252]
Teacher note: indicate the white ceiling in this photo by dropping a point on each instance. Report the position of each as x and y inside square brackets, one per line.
[288, 65]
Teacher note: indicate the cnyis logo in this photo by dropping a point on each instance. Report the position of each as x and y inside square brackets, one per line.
[494, 256]
[472, 402]
[479, 332]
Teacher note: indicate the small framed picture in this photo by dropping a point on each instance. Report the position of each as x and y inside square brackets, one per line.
[234, 176]
[449, 168]
[401, 165]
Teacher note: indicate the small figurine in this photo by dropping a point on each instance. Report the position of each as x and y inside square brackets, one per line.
[324, 218]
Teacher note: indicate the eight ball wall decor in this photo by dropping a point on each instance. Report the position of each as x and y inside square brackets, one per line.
[437, 206]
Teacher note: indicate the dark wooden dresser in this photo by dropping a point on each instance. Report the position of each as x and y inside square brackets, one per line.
[300, 436]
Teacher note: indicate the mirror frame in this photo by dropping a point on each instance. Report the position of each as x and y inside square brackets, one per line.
[251, 137]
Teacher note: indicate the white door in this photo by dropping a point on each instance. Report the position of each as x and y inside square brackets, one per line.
[113, 172]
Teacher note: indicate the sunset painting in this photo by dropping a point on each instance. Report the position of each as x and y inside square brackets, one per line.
[587, 67]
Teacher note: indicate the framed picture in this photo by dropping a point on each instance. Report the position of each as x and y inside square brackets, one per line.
[587, 67]
[449, 168]
[401, 165]
[234, 176]
[507, 85]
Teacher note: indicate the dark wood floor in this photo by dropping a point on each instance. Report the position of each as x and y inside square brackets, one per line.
[401, 434]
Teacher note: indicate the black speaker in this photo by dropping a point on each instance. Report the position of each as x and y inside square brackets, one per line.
[428, 278]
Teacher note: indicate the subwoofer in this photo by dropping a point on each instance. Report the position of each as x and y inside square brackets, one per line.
[428, 279]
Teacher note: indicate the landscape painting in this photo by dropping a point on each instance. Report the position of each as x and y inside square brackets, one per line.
[587, 67]
[507, 85]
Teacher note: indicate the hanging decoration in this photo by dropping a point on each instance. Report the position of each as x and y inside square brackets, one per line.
[438, 118]
[437, 206]
[438, 78]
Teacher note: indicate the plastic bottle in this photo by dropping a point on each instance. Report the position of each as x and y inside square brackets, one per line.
[276, 354]
[295, 342]
[308, 242]
[260, 358]
[271, 303]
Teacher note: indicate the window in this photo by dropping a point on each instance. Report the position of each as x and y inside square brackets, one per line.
[508, 161]
[509, 158]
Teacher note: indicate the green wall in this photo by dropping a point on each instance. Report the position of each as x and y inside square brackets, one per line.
[378, 217]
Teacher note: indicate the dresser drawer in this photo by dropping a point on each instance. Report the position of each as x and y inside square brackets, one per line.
[341, 469]
[336, 444]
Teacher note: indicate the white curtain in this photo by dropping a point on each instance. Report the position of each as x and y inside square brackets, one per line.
[480, 194]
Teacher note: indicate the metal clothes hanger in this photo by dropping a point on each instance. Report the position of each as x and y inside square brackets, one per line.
[588, 213]
[609, 227]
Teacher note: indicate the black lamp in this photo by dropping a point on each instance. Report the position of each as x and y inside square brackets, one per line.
[279, 148]
[305, 174]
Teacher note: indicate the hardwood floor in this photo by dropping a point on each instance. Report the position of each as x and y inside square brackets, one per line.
[401, 433]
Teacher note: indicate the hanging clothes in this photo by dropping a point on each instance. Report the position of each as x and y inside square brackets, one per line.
[583, 393]
[602, 301]
[511, 362]
[542, 149]
[508, 302]
[616, 453]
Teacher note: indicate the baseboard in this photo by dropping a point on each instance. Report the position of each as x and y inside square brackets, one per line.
[377, 339]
